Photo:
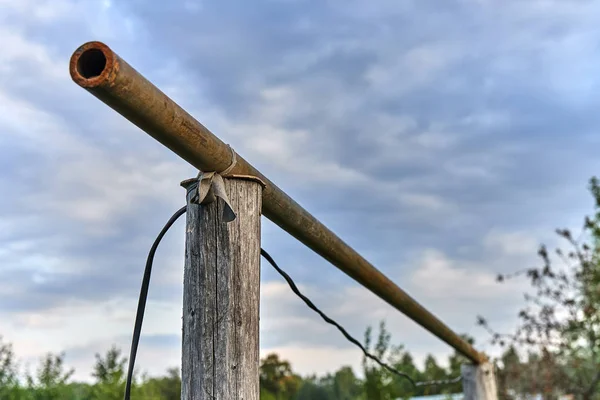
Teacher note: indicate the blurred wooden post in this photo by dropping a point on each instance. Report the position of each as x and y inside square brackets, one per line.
[479, 382]
[220, 351]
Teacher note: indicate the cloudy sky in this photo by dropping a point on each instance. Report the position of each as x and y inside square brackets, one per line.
[443, 140]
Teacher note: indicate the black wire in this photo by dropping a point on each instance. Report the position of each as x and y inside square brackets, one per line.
[329, 320]
[144, 296]
[139, 317]
[311, 305]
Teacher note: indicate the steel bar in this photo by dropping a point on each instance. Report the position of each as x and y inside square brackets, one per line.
[99, 70]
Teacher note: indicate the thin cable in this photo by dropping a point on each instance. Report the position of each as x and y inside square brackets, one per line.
[311, 305]
[139, 317]
[440, 382]
[144, 296]
[330, 321]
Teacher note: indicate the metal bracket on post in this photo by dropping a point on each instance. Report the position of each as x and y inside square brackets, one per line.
[205, 189]
[479, 382]
[207, 186]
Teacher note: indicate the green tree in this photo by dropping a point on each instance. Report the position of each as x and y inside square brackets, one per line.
[382, 384]
[276, 377]
[80, 391]
[266, 395]
[345, 385]
[9, 383]
[377, 380]
[159, 388]
[168, 387]
[147, 389]
[311, 389]
[109, 372]
[433, 372]
[51, 380]
[560, 324]
[401, 387]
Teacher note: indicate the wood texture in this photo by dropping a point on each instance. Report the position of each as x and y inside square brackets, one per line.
[220, 351]
[479, 382]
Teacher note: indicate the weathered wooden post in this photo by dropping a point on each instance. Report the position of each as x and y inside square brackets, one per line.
[220, 351]
[479, 382]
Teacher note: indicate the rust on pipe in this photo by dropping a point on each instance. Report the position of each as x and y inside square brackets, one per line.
[99, 70]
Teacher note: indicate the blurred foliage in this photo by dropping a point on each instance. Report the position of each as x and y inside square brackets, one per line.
[555, 348]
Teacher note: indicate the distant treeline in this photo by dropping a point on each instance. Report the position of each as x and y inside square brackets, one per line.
[52, 379]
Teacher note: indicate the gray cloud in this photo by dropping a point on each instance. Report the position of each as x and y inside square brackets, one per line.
[405, 127]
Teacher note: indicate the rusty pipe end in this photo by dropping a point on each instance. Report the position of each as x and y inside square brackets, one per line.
[93, 64]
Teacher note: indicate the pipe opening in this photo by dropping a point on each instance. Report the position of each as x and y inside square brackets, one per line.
[91, 63]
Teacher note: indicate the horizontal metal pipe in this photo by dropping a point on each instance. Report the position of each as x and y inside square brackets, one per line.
[95, 67]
